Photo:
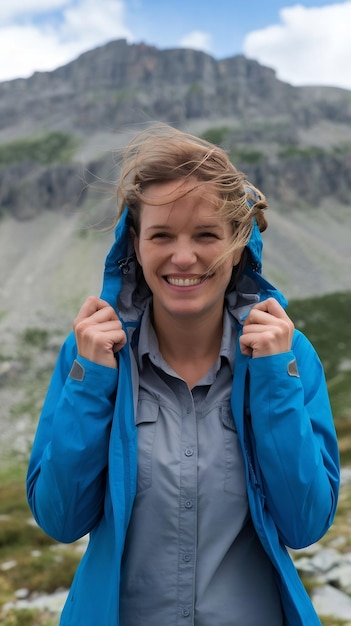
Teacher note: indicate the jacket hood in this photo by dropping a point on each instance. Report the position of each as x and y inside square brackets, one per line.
[128, 295]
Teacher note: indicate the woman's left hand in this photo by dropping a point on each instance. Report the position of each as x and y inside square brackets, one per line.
[267, 330]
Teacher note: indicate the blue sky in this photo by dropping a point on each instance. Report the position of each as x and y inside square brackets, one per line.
[227, 21]
[306, 42]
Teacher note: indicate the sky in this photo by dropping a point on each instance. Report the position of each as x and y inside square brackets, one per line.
[306, 43]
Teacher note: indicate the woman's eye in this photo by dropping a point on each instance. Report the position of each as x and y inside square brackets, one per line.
[208, 235]
[160, 235]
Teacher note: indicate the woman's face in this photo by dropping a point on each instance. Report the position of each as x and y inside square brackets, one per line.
[178, 242]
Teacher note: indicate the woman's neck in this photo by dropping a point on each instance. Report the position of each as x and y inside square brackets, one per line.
[190, 347]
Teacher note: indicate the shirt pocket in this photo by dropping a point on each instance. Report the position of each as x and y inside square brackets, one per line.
[146, 421]
[234, 470]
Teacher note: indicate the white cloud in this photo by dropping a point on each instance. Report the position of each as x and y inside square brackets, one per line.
[197, 40]
[27, 47]
[310, 45]
[83, 25]
[95, 21]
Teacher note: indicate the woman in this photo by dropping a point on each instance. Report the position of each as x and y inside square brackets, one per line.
[187, 426]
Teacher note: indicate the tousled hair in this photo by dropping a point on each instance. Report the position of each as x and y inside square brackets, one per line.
[162, 153]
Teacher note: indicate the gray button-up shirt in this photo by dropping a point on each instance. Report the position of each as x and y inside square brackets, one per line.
[192, 556]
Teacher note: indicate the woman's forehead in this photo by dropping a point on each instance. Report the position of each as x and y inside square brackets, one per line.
[193, 210]
[191, 188]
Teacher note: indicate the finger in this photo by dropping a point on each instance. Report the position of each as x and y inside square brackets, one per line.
[254, 344]
[89, 316]
[256, 327]
[107, 314]
[266, 340]
[109, 338]
[244, 347]
[100, 347]
[91, 305]
[271, 306]
[102, 335]
[259, 317]
[120, 341]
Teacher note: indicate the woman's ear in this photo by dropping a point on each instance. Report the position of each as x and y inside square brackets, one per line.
[135, 240]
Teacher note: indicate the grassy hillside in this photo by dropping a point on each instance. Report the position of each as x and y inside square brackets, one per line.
[326, 322]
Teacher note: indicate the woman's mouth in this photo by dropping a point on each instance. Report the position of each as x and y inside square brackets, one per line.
[185, 282]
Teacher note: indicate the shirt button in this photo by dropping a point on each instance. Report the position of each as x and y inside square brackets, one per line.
[187, 557]
[185, 612]
[188, 504]
[189, 452]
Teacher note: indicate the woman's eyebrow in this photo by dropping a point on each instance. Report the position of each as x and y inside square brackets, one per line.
[158, 227]
[208, 226]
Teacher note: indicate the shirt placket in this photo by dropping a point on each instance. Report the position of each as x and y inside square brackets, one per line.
[187, 510]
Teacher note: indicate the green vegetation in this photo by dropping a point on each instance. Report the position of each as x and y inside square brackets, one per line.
[325, 321]
[308, 152]
[292, 151]
[36, 337]
[222, 135]
[342, 148]
[122, 96]
[32, 560]
[27, 617]
[216, 134]
[48, 148]
[331, 621]
[195, 89]
[246, 155]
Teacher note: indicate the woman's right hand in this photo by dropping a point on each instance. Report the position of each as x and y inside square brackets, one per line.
[99, 333]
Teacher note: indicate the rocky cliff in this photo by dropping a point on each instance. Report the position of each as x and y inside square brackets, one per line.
[293, 142]
[115, 84]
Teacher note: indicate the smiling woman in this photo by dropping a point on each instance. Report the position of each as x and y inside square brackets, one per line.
[177, 244]
[187, 427]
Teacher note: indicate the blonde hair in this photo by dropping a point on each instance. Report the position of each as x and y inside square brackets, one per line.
[162, 153]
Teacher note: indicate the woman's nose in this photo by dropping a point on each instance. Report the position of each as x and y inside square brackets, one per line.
[184, 254]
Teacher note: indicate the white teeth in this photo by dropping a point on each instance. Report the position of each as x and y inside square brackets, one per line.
[184, 282]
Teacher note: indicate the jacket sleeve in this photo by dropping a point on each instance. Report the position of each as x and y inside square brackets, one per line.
[295, 442]
[67, 467]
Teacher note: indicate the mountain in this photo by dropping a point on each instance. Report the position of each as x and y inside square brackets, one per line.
[60, 132]
[294, 142]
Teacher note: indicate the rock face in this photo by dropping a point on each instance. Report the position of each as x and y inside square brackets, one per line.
[111, 84]
[292, 142]
[28, 188]
[108, 84]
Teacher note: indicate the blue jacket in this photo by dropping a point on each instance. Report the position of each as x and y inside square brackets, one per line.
[82, 470]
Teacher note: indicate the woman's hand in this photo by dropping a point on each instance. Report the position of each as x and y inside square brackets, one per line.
[99, 333]
[267, 330]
